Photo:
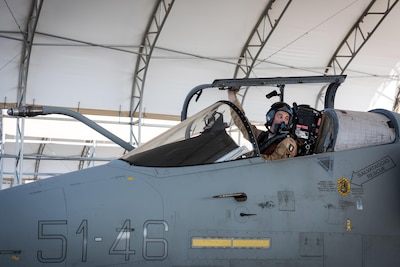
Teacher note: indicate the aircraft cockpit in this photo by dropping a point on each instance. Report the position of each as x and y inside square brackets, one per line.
[210, 136]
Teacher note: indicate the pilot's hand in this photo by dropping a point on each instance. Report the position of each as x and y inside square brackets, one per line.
[234, 90]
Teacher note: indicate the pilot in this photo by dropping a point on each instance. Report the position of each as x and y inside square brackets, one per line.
[276, 142]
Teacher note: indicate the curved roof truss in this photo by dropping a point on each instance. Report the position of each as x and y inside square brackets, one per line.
[355, 39]
[259, 36]
[22, 83]
[153, 30]
[358, 35]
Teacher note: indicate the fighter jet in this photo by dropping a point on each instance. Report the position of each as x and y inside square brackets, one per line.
[200, 194]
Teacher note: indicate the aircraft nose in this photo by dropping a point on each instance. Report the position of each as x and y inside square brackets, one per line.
[24, 208]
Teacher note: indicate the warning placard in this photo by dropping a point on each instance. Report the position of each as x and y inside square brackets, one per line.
[372, 171]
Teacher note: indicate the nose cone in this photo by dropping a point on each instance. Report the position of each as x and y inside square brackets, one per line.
[23, 209]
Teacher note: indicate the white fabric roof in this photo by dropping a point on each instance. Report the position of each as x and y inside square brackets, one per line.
[85, 52]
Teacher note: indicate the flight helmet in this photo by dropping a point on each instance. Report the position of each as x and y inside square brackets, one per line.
[277, 107]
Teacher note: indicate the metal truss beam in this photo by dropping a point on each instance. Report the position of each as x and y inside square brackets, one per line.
[39, 153]
[22, 83]
[2, 141]
[396, 104]
[87, 153]
[84, 154]
[259, 36]
[153, 30]
[358, 36]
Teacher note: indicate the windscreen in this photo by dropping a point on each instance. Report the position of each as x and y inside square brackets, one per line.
[210, 136]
